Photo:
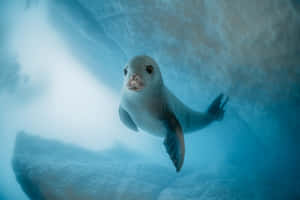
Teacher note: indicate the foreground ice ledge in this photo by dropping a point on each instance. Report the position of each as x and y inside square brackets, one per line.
[50, 170]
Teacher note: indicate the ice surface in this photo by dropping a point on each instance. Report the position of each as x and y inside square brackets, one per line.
[248, 50]
[48, 169]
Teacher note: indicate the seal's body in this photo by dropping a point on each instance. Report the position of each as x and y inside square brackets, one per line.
[148, 105]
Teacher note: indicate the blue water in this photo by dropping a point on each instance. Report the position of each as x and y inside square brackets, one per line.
[60, 80]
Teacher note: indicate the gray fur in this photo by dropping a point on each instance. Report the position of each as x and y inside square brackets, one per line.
[154, 109]
[126, 119]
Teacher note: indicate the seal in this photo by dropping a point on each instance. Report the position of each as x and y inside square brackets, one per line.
[146, 104]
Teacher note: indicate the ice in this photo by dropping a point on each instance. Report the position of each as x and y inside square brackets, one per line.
[48, 169]
[60, 77]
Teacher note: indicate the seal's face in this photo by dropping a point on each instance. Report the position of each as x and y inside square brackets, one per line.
[141, 74]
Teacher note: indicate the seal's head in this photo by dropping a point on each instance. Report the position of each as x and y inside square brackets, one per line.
[142, 74]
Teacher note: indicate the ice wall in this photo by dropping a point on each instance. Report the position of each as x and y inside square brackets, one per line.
[70, 172]
[247, 49]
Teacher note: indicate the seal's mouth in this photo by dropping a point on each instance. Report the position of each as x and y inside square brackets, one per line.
[135, 83]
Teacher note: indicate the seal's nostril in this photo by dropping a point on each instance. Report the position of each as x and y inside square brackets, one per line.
[134, 77]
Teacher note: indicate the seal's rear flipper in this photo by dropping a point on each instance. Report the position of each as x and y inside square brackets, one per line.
[174, 142]
[216, 108]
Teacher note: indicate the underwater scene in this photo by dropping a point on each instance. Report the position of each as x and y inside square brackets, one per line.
[149, 100]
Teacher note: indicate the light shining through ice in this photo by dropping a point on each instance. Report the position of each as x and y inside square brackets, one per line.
[57, 98]
[61, 73]
[72, 106]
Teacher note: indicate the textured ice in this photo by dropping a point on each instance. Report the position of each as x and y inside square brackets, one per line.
[47, 170]
[247, 49]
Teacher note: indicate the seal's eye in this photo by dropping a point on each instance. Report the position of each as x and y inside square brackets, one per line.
[125, 71]
[149, 69]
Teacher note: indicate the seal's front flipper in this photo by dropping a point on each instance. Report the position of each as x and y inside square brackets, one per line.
[174, 142]
[126, 119]
[216, 108]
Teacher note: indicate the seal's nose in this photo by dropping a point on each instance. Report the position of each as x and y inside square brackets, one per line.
[134, 77]
[135, 82]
